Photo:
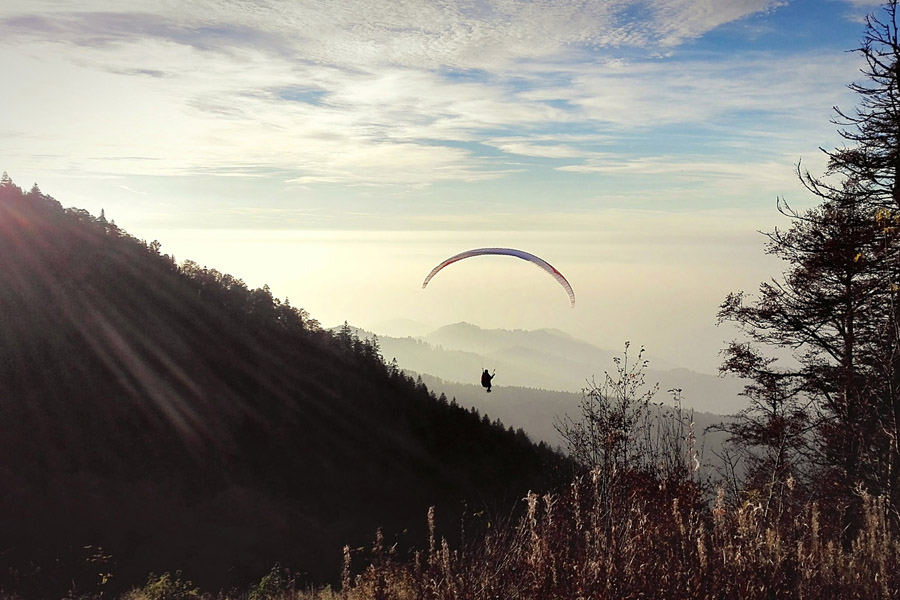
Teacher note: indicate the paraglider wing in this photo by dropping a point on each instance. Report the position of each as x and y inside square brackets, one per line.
[536, 260]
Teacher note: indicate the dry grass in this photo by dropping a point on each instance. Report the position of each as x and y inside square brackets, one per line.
[664, 544]
[613, 539]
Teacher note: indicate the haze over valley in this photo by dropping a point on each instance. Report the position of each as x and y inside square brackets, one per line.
[541, 374]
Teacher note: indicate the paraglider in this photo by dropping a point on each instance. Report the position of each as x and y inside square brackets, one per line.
[486, 380]
[540, 262]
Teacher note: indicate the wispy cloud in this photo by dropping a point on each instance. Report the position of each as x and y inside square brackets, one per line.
[415, 33]
[409, 92]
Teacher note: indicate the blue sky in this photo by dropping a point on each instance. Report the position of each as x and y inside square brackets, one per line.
[642, 143]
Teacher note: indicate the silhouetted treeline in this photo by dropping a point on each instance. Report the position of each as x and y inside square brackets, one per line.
[157, 416]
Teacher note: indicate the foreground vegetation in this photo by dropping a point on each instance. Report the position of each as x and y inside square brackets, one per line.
[644, 540]
[580, 545]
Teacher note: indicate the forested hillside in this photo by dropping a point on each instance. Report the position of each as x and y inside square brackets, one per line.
[157, 416]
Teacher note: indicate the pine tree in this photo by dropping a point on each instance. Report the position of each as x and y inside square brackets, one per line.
[829, 309]
[8, 190]
[836, 308]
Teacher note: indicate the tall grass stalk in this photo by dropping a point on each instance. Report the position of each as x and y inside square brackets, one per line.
[628, 541]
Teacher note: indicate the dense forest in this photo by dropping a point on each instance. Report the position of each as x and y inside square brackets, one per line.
[157, 417]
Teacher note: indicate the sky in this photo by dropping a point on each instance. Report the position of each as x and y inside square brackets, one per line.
[338, 150]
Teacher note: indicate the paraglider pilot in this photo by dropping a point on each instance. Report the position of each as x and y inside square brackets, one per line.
[486, 379]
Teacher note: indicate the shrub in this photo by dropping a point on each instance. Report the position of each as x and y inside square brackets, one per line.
[165, 587]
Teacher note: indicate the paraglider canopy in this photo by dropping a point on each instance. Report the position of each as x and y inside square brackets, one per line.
[535, 260]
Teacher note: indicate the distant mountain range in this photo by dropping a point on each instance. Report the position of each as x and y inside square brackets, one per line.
[546, 359]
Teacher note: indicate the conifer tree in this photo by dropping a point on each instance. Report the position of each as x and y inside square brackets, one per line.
[8, 190]
[837, 412]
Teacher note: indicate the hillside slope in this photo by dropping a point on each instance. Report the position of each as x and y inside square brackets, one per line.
[156, 417]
